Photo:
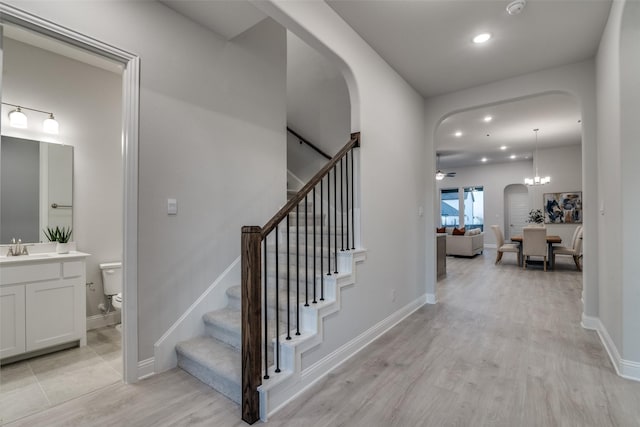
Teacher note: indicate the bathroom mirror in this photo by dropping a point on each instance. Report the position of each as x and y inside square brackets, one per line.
[36, 188]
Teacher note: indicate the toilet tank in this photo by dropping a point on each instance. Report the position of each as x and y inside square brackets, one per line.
[111, 277]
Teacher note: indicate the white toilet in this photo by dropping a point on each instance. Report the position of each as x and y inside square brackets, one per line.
[112, 282]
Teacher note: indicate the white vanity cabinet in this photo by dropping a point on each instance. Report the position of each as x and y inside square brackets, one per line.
[42, 302]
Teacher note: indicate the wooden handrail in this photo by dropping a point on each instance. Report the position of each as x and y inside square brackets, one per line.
[310, 144]
[291, 204]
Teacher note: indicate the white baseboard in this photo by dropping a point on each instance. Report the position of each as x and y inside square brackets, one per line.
[431, 299]
[102, 320]
[625, 368]
[324, 366]
[145, 368]
[190, 324]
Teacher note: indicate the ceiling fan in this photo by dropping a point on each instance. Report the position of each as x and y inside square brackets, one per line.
[442, 175]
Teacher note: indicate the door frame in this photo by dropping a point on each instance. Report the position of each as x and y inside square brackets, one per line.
[130, 135]
[507, 193]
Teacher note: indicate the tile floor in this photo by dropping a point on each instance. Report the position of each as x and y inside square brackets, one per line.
[32, 385]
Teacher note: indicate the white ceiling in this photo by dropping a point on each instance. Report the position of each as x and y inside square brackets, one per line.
[429, 41]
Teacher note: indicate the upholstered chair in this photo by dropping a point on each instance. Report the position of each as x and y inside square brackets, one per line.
[575, 251]
[502, 247]
[534, 243]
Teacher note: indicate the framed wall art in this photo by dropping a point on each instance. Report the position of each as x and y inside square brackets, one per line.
[562, 208]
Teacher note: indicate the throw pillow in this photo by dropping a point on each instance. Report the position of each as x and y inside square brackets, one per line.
[441, 230]
[458, 231]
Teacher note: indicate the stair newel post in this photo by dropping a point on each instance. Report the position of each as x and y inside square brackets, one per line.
[251, 320]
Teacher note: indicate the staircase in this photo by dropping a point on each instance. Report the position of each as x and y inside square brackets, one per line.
[292, 271]
[215, 358]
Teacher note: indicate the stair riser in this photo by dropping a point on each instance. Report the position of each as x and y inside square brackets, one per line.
[233, 338]
[221, 384]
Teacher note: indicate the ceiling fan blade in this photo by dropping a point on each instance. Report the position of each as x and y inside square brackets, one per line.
[451, 174]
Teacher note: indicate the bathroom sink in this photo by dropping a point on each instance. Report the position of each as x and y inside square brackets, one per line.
[26, 257]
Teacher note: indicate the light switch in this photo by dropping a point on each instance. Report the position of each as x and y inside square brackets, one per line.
[172, 206]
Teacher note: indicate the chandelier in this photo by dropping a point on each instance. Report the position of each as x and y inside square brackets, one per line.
[537, 180]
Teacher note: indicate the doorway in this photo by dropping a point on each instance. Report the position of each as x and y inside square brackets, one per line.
[517, 209]
[126, 146]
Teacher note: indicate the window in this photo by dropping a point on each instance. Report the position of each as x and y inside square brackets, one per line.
[467, 211]
[449, 208]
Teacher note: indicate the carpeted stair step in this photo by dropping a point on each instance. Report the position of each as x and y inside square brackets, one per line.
[214, 363]
[224, 325]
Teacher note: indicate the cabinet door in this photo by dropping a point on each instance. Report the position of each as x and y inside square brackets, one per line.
[12, 320]
[54, 312]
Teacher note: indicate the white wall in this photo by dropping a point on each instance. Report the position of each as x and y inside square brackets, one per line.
[318, 108]
[389, 114]
[576, 79]
[563, 164]
[618, 65]
[212, 135]
[86, 102]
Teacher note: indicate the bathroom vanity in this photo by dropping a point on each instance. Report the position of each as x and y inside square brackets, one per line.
[42, 302]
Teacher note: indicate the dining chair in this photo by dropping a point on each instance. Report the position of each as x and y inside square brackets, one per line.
[502, 247]
[534, 243]
[575, 251]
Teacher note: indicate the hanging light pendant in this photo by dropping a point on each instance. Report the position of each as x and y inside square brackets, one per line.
[537, 180]
[17, 119]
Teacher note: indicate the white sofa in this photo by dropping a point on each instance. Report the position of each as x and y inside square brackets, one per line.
[468, 245]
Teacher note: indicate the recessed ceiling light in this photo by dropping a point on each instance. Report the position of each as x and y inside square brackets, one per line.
[481, 38]
[504, 147]
[513, 156]
[458, 133]
[484, 159]
[487, 118]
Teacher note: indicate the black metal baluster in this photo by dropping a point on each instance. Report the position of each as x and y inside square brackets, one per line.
[329, 223]
[298, 269]
[266, 326]
[346, 174]
[353, 206]
[277, 308]
[335, 219]
[341, 208]
[288, 283]
[321, 241]
[314, 246]
[306, 253]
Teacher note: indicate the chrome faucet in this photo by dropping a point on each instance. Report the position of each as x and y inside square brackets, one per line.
[17, 248]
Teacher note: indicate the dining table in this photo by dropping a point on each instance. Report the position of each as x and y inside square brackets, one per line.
[551, 240]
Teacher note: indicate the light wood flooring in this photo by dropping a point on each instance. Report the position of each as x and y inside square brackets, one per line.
[503, 347]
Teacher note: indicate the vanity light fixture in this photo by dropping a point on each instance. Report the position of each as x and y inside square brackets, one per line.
[18, 119]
